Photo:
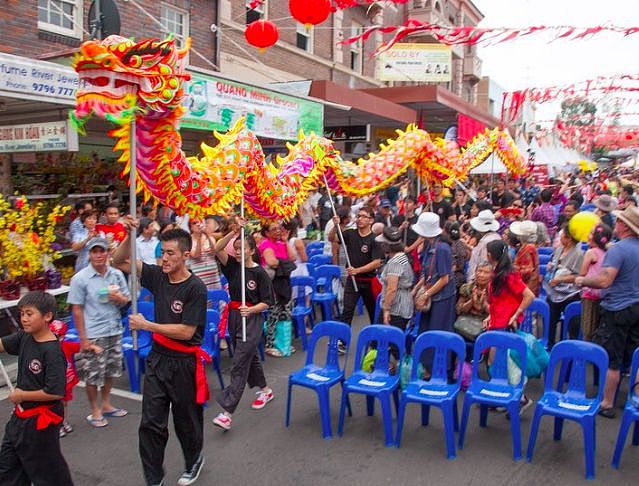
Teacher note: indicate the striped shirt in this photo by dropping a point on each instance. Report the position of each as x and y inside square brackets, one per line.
[400, 266]
[205, 267]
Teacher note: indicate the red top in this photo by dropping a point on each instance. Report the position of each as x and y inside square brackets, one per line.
[502, 306]
[117, 230]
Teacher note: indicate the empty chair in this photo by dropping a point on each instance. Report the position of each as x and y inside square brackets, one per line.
[211, 341]
[630, 412]
[319, 260]
[573, 404]
[314, 252]
[437, 391]
[145, 295]
[378, 310]
[497, 391]
[321, 378]
[538, 307]
[315, 245]
[378, 383]
[324, 295]
[544, 258]
[301, 311]
[572, 311]
[545, 250]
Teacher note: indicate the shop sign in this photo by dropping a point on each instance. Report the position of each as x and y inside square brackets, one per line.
[215, 104]
[430, 63]
[38, 137]
[356, 133]
[38, 80]
[539, 173]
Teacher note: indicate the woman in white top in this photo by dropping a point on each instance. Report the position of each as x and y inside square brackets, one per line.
[289, 234]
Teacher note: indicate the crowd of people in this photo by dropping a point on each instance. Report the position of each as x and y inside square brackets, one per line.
[465, 259]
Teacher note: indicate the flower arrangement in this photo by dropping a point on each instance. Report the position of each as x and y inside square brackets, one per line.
[27, 234]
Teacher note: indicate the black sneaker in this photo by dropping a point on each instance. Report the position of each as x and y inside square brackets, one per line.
[189, 477]
[341, 348]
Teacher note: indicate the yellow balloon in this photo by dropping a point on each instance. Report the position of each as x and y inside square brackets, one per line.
[581, 225]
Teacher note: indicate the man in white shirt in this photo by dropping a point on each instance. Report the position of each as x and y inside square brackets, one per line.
[147, 242]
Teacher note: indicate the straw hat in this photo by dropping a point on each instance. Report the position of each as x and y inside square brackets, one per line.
[526, 231]
[485, 221]
[427, 225]
[630, 216]
[605, 203]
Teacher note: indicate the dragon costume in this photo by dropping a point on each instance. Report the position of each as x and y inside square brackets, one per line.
[122, 80]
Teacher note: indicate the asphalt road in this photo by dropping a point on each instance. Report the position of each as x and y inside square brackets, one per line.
[260, 450]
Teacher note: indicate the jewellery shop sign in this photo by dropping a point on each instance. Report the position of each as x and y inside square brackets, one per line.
[38, 137]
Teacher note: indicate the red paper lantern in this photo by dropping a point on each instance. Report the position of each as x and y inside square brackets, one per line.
[311, 12]
[261, 33]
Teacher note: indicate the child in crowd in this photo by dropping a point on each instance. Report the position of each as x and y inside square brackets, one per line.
[30, 450]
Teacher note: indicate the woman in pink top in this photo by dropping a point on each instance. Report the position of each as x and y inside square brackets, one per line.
[591, 266]
[275, 253]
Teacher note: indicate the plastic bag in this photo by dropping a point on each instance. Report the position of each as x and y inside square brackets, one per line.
[466, 375]
[405, 370]
[514, 371]
[283, 337]
[536, 356]
[369, 360]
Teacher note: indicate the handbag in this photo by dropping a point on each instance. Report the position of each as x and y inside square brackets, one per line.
[469, 327]
[423, 303]
[536, 356]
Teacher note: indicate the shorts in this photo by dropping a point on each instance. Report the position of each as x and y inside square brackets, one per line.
[93, 368]
[618, 334]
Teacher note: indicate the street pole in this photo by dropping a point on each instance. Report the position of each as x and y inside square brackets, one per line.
[132, 237]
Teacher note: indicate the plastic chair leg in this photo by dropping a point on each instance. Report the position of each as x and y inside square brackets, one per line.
[370, 406]
[348, 403]
[588, 425]
[515, 430]
[559, 427]
[425, 415]
[483, 415]
[635, 435]
[325, 412]
[287, 418]
[131, 369]
[401, 411]
[455, 416]
[626, 422]
[464, 422]
[342, 408]
[300, 330]
[449, 426]
[534, 428]
[360, 306]
[387, 419]
[216, 364]
[396, 399]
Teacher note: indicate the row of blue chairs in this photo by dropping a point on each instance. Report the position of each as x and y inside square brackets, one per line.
[573, 403]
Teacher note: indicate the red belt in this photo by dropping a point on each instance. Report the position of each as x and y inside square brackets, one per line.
[201, 385]
[45, 416]
[224, 318]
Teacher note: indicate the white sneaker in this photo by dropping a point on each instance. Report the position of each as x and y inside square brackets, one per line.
[222, 421]
[262, 399]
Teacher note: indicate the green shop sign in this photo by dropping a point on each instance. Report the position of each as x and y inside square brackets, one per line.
[215, 104]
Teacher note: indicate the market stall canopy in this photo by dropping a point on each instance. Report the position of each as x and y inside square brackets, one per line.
[492, 165]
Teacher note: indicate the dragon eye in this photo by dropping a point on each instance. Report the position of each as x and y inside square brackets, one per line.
[135, 61]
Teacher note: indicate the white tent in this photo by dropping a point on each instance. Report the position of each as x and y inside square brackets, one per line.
[492, 165]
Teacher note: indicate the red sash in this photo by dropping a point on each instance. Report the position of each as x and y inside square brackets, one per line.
[201, 385]
[45, 416]
[224, 318]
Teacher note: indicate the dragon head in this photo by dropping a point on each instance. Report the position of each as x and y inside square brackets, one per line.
[119, 76]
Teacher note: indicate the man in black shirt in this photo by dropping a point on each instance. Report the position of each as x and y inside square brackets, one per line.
[501, 197]
[441, 207]
[406, 220]
[366, 257]
[385, 215]
[174, 377]
[31, 445]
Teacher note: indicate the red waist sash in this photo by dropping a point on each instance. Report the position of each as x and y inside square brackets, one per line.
[202, 393]
[45, 416]
[224, 318]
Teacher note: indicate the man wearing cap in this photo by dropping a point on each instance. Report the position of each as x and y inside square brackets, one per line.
[385, 215]
[486, 227]
[97, 293]
[618, 330]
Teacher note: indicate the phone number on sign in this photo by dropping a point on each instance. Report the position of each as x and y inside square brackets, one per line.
[47, 88]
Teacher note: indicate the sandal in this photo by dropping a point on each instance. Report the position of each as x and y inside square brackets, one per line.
[116, 412]
[275, 353]
[607, 412]
[98, 423]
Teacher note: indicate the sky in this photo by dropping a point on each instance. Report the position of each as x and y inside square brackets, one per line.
[534, 62]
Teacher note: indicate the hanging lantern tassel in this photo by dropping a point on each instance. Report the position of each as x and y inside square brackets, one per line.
[310, 12]
[262, 34]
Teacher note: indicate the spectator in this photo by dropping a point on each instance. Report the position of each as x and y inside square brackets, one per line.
[440, 206]
[561, 272]
[473, 296]
[77, 225]
[482, 194]
[605, 206]
[543, 238]
[627, 196]
[545, 213]
[485, 225]
[202, 258]
[404, 222]
[501, 197]
[385, 215]
[598, 240]
[86, 233]
[97, 293]
[112, 229]
[289, 234]
[146, 244]
[462, 205]
[570, 209]
[523, 235]
[528, 191]
[478, 206]
[149, 211]
[460, 252]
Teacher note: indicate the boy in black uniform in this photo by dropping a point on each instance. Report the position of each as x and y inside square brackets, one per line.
[30, 450]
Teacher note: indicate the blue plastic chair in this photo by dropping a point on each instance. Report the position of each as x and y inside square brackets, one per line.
[545, 250]
[214, 297]
[630, 412]
[571, 311]
[573, 404]
[436, 391]
[135, 361]
[315, 245]
[314, 252]
[544, 258]
[497, 391]
[378, 383]
[378, 310]
[301, 311]
[319, 260]
[543, 269]
[145, 295]
[322, 378]
[324, 295]
[211, 342]
[538, 307]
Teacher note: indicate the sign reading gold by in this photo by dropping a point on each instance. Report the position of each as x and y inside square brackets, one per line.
[416, 62]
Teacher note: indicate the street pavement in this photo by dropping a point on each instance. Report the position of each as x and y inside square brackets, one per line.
[261, 450]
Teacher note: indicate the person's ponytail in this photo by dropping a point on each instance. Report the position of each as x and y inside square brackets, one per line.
[498, 251]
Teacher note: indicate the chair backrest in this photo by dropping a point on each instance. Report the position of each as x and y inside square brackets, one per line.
[571, 311]
[211, 327]
[330, 273]
[545, 250]
[322, 259]
[383, 336]
[301, 283]
[319, 245]
[311, 269]
[543, 269]
[443, 342]
[633, 379]
[544, 258]
[541, 308]
[378, 310]
[215, 296]
[145, 295]
[147, 309]
[579, 353]
[335, 331]
[502, 342]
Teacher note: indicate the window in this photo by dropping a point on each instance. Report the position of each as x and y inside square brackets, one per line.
[62, 17]
[176, 22]
[255, 11]
[305, 37]
[356, 48]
